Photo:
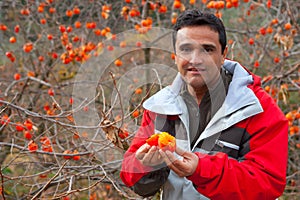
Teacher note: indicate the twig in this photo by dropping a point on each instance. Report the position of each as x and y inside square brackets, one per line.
[2, 184]
[291, 70]
[46, 185]
[115, 186]
[77, 190]
[51, 118]
[119, 96]
[42, 152]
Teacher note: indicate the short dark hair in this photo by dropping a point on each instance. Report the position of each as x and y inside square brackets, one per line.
[194, 17]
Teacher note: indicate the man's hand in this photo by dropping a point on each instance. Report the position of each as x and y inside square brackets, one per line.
[148, 155]
[185, 167]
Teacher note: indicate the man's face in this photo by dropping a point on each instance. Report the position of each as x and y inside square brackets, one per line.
[199, 56]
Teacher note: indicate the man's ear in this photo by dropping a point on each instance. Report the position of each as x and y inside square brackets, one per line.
[224, 54]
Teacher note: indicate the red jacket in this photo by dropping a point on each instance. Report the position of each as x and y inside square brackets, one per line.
[249, 165]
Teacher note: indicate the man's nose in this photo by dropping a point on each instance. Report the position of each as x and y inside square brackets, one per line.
[197, 56]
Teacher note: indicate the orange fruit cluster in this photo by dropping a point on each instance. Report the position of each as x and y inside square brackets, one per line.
[163, 140]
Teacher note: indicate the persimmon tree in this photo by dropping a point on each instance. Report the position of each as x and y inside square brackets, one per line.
[75, 73]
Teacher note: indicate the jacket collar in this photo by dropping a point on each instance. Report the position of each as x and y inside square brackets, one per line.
[239, 95]
[167, 101]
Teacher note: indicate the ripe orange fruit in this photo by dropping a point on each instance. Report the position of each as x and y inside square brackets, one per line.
[41, 9]
[71, 100]
[138, 91]
[162, 9]
[12, 39]
[17, 29]
[69, 13]
[27, 47]
[256, 64]
[97, 32]
[76, 10]
[228, 4]
[122, 44]
[76, 157]
[269, 30]
[192, 2]
[76, 136]
[132, 13]
[144, 22]
[104, 15]
[28, 124]
[135, 114]
[62, 28]
[173, 20]
[19, 127]
[4, 120]
[50, 37]
[177, 4]
[166, 142]
[173, 56]
[77, 24]
[289, 116]
[274, 21]
[43, 21]
[51, 92]
[45, 141]
[85, 108]
[3, 27]
[52, 10]
[118, 63]
[235, 3]
[251, 41]
[123, 134]
[110, 48]
[153, 140]
[163, 140]
[67, 156]
[69, 29]
[25, 11]
[17, 76]
[276, 60]
[90, 25]
[269, 4]
[9, 54]
[287, 26]
[262, 31]
[138, 44]
[267, 88]
[32, 146]
[27, 135]
[76, 38]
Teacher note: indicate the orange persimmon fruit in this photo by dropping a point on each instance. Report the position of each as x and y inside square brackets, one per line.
[163, 140]
[153, 140]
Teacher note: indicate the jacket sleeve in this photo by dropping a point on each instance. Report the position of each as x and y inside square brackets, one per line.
[260, 173]
[144, 180]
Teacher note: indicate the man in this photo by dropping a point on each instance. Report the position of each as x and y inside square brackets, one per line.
[231, 137]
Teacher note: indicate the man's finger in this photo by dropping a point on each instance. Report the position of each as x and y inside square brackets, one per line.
[140, 153]
[149, 154]
[168, 157]
[180, 151]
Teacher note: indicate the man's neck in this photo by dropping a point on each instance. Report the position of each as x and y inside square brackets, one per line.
[197, 93]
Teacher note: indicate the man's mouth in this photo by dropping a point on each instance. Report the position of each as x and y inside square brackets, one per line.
[194, 69]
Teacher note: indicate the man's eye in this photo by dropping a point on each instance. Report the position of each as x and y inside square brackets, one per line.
[186, 49]
[208, 49]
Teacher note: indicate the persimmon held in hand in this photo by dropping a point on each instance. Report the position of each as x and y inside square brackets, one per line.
[163, 140]
[153, 140]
